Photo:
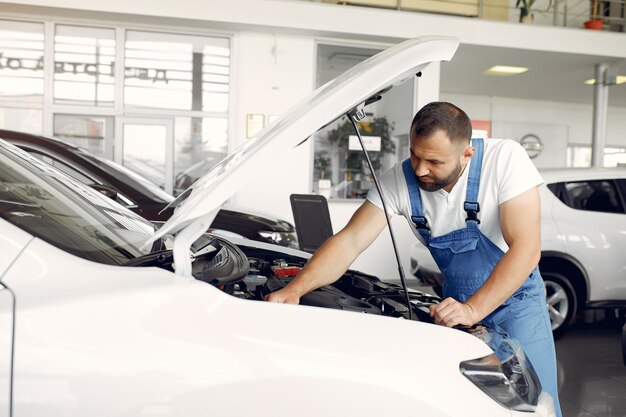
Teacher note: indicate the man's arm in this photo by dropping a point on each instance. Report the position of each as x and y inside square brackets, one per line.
[334, 257]
[520, 221]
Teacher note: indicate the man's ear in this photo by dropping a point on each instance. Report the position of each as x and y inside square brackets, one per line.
[468, 152]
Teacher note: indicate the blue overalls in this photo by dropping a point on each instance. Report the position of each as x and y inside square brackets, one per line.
[466, 258]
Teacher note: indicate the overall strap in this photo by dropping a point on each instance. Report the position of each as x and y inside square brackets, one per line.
[417, 212]
[471, 205]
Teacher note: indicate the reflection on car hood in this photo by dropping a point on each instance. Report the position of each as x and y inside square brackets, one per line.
[384, 70]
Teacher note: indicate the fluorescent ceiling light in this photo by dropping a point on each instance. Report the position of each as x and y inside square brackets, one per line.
[620, 79]
[503, 70]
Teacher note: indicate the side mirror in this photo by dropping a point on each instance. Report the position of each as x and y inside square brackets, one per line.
[107, 190]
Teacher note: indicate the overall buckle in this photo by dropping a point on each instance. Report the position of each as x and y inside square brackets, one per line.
[472, 210]
[420, 222]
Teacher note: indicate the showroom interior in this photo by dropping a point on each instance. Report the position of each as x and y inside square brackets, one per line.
[168, 90]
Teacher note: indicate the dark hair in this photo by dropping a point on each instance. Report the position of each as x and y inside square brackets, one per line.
[440, 115]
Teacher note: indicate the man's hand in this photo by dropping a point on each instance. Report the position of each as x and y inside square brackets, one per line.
[452, 313]
[284, 296]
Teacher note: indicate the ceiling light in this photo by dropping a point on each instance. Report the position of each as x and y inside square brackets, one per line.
[620, 79]
[503, 70]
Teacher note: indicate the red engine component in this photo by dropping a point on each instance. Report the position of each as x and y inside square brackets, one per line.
[286, 271]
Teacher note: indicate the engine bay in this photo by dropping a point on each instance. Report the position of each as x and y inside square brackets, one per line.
[355, 291]
[250, 273]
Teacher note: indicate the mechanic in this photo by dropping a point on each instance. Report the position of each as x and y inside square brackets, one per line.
[475, 205]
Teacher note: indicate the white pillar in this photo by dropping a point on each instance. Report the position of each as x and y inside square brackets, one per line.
[600, 108]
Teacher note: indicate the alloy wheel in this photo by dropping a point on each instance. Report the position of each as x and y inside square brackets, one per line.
[561, 301]
[557, 303]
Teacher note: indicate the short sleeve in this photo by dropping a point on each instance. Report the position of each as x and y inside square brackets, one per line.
[389, 184]
[516, 173]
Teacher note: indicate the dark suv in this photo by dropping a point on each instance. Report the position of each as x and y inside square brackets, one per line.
[140, 195]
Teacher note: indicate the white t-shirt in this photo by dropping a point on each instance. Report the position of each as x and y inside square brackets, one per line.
[506, 173]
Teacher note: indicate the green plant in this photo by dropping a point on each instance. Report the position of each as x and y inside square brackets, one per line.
[378, 126]
[321, 163]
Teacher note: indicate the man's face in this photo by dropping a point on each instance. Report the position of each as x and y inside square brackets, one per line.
[437, 162]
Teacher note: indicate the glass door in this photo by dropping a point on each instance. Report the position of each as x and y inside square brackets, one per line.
[91, 132]
[146, 146]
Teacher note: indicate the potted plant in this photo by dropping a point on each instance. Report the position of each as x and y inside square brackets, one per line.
[377, 126]
[595, 22]
[355, 173]
[525, 7]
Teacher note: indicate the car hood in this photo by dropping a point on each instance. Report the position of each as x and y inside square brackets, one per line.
[202, 200]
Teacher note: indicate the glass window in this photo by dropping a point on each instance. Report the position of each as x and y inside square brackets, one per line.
[135, 181]
[63, 167]
[65, 213]
[599, 195]
[340, 168]
[21, 61]
[176, 71]
[579, 156]
[23, 120]
[79, 176]
[614, 156]
[621, 184]
[200, 143]
[144, 150]
[84, 60]
[86, 131]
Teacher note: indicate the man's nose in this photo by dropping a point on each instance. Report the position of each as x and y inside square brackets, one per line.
[421, 169]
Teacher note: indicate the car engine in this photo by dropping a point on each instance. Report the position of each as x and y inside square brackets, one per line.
[354, 291]
[251, 273]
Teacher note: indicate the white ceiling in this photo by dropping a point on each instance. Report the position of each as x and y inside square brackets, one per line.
[551, 76]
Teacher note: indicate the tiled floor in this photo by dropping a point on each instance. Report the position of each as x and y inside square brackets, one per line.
[592, 376]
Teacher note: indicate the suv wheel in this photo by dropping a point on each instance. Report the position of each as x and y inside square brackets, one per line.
[561, 301]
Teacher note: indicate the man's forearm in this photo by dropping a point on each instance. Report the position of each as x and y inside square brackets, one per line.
[508, 275]
[524, 240]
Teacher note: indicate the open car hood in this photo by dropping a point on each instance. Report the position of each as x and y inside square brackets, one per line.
[201, 201]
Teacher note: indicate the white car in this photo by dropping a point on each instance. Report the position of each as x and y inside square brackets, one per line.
[101, 315]
[583, 242]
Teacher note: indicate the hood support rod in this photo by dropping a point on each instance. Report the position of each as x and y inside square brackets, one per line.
[355, 114]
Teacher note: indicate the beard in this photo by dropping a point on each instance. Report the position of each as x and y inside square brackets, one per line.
[437, 183]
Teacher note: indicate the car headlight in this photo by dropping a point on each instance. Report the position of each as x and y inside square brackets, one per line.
[507, 376]
[288, 239]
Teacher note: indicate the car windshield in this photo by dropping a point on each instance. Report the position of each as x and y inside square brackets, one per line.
[56, 208]
[133, 180]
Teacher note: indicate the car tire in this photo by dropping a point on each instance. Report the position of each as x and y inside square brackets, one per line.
[560, 300]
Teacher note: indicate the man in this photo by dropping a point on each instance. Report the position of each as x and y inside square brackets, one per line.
[475, 205]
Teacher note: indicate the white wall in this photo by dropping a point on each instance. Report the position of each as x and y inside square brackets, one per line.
[576, 117]
[273, 72]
